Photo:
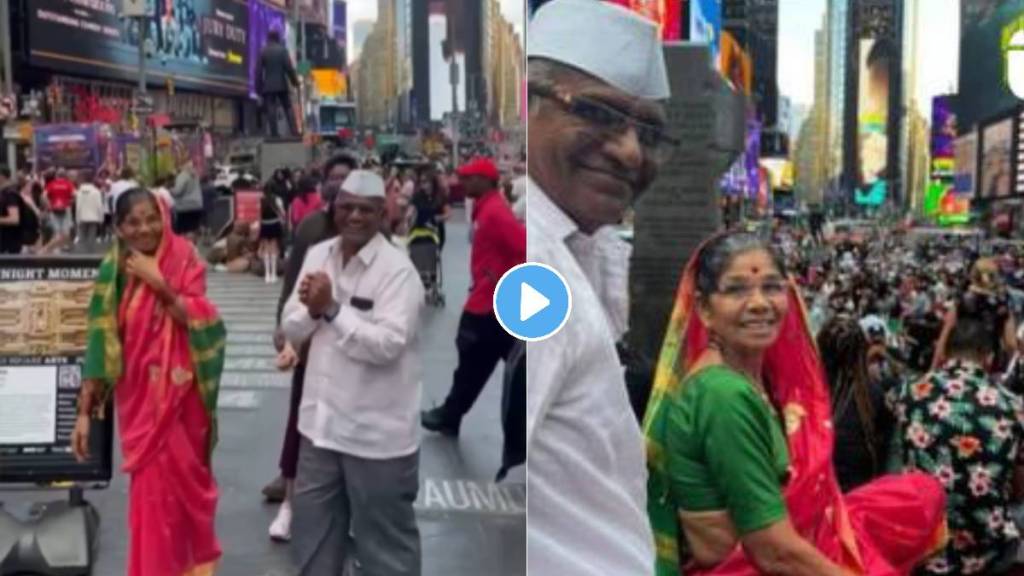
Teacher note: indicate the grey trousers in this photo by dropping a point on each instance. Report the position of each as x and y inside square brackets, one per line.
[336, 494]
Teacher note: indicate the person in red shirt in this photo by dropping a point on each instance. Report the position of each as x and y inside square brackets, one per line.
[59, 193]
[499, 243]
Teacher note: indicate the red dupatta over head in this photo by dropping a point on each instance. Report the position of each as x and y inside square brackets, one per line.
[816, 506]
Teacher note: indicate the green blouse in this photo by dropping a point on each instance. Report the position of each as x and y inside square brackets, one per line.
[725, 450]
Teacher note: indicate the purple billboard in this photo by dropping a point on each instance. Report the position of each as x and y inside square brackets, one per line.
[262, 19]
[943, 126]
[752, 158]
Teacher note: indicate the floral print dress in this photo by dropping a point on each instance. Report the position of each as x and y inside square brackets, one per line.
[964, 429]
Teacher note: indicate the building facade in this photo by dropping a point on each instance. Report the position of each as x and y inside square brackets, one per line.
[755, 25]
[376, 74]
[505, 69]
[838, 23]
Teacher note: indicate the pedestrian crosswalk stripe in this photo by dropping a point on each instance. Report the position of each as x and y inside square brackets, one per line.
[250, 364]
[238, 337]
[255, 380]
[247, 351]
[239, 400]
[251, 327]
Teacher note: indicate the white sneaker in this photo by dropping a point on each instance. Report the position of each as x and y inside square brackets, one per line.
[281, 527]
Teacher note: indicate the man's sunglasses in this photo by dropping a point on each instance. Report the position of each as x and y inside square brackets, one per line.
[606, 116]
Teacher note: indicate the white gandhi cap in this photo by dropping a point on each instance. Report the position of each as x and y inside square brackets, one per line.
[605, 40]
[364, 183]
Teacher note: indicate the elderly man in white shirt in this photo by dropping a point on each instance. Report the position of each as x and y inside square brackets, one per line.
[596, 76]
[358, 302]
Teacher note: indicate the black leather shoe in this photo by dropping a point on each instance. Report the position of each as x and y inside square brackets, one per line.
[275, 491]
[437, 420]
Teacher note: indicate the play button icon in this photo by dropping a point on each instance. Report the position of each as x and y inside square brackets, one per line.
[532, 301]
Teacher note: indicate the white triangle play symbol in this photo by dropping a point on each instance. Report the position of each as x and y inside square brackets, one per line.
[531, 302]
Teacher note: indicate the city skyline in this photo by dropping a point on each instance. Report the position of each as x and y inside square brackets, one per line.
[937, 73]
[513, 10]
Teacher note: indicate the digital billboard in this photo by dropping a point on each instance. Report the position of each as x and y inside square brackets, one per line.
[706, 24]
[873, 110]
[262, 19]
[965, 164]
[996, 166]
[735, 64]
[668, 14]
[943, 137]
[987, 27]
[201, 44]
[1020, 154]
[339, 28]
[71, 146]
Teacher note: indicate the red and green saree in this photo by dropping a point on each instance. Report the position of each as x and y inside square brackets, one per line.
[883, 529]
[164, 377]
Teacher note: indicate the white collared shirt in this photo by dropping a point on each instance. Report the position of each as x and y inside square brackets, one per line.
[361, 393]
[587, 471]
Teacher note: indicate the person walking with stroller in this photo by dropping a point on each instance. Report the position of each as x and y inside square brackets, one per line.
[499, 243]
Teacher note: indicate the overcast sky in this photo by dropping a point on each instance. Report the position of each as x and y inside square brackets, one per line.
[938, 52]
[513, 10]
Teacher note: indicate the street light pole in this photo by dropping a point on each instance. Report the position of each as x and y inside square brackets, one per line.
[143, 31]
[8, 76]
[454, 69]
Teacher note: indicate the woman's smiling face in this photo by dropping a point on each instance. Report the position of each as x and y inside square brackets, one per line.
[143, 227]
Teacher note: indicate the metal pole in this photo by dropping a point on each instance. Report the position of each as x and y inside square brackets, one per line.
[302, 58]
[8, 77]
[455, 110]
[295, 24]
[143, 31]
[149, 147]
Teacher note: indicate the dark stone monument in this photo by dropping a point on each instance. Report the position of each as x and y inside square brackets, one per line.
[681, 207]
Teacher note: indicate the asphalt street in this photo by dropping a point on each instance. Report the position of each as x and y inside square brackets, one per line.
[469, 526]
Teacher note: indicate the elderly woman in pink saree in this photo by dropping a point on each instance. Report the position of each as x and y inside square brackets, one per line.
[740, 440]
[157, 345]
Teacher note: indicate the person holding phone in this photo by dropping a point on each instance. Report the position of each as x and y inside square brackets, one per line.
[156, 344]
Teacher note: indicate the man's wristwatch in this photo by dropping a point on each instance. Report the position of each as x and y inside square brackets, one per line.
[331, 312]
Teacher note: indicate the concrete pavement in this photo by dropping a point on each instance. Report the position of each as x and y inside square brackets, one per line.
[469, 526]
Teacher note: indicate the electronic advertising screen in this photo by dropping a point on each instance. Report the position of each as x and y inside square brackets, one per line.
[873, 110]
[987, 26]
[965, 164]
[943, 137]
[996, 164]
[706, 25]
[202, 44]
[44, 306]
[262, 19]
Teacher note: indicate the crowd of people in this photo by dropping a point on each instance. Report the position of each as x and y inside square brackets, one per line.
[59, 211]
[348, 319]
[919, 339]
[820, 405]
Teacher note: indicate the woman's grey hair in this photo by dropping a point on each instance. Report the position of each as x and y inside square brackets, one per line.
[719, 253]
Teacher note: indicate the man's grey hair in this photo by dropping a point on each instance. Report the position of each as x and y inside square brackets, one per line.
[548, 72]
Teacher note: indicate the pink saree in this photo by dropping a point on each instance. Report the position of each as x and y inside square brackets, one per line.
[883, 529]
[164, 379]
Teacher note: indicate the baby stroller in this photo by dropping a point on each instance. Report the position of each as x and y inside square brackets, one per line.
[425, 253]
